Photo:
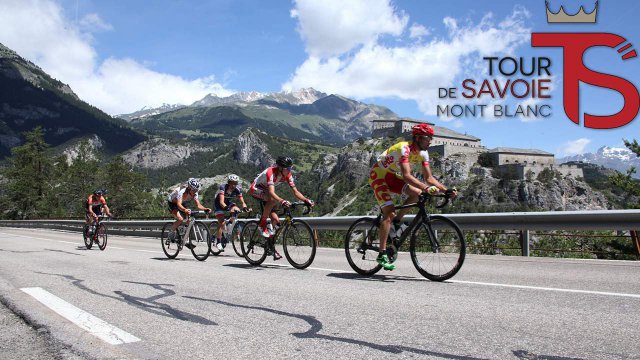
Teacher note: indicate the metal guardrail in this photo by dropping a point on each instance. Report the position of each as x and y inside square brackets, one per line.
[626, 220]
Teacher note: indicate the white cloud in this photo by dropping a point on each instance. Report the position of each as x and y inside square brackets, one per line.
[418, 31]
[574, 147]
[333, 27]
[372, 68]
[94, 22]
[39, 32]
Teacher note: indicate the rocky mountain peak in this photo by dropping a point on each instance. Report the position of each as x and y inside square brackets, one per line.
[250, 149]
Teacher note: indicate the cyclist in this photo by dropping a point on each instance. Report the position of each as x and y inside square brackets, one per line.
[175, 200]
[225, 196]
[263, 189]
[392, 174]
[93, 206]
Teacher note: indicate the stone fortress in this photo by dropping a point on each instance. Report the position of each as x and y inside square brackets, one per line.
[446, 142]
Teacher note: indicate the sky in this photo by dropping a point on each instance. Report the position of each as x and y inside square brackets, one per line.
[121, 56]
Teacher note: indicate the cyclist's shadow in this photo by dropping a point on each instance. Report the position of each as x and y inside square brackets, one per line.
[149, 304]
[377, 277]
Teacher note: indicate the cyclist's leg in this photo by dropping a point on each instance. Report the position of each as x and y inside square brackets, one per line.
[384, 184]
[220, 217]
[412, 193]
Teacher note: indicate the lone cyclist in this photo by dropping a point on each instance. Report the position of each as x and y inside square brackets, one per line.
[175, 201]
[224, 201]
[94, 204]
[263, 189]
[392, 174]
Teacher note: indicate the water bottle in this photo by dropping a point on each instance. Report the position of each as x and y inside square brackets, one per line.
[181, 230]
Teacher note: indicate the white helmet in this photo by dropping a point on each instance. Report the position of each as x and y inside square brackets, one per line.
[194, 184]
[233, 178]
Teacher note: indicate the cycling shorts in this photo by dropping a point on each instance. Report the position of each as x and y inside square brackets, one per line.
[384, 183]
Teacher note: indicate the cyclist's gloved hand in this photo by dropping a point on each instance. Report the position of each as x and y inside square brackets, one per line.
[309, 202]
[452, 193]
[207, 210]
[285, 203]
[246, 209]
[432, 190]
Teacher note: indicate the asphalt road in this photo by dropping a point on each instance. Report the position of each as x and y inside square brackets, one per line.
[494, 308]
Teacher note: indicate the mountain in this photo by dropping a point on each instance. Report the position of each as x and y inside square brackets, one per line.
[304, 115]
[620, 159]
[29, 98]
[144, 112]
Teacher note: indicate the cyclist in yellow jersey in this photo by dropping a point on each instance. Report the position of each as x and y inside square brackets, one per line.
[392, 174]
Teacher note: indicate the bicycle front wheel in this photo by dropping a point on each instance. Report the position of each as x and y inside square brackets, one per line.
[437, 248]
[88, 238]
[170, 248]
[253, 244]
[200, 241]
[299, 244]
[213, 230]
[102, 236]
[235, 238]
[361, 245]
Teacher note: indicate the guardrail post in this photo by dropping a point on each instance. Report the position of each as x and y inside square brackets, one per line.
[524, 242]
[636, 240]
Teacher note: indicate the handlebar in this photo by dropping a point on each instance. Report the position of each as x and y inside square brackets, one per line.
[294, 205]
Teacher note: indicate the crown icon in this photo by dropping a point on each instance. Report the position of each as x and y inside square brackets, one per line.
[580, 17]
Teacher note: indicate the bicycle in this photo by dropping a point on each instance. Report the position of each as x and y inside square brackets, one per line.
[298, 242]
[191, 233]
[96, 233]
[230, 235]
[436, 246]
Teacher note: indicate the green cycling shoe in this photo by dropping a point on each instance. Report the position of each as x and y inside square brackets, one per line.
[384, 261]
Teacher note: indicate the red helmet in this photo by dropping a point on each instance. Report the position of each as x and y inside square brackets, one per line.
[422, 130]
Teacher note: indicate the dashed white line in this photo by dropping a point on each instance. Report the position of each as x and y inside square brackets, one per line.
[83, 319]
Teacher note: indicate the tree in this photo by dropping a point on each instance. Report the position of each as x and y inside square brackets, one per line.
[28, 174]
[626, 182]
[127, 190]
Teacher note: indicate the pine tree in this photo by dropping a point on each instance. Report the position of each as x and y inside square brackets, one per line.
[28, 178]
[626, 182]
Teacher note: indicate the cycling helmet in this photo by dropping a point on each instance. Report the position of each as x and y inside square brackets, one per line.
[233, 178]
[194, 184]
[100, 192]
[284, 161]
[422, 130]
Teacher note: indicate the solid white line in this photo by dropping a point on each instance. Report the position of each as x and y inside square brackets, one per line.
[547, 289]
[83, 319]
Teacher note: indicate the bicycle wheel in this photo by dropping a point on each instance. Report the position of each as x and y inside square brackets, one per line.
[253, 244]
[170, 248]
[299, 244]
[102, 236]
[200, 241]
[437, 248]
[88, 238]
[361, 245]
[235, 237]
[213, 230]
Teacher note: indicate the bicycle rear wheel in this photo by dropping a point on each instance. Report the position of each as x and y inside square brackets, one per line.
[213, 230]
[200, 241]
[102, 236]
[437, 248]
[361, 246]
[88, 238]
[299, 244]
[235, 238]
[171, 249]
[253, 244]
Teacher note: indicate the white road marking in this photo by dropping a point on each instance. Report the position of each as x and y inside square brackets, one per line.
[83, 319]
[547, 289]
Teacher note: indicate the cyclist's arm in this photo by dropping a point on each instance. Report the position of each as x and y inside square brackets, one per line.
[405, 168]
[299, 195]
[273, 195]
[180, 206]
[199, 206]
[429, 179]
[106, 209]
[244, 204]
[224, 205]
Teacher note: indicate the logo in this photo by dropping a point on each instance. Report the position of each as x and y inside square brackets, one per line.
[574, 46]
[580, 17]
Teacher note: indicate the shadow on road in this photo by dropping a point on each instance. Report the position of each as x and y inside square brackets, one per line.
[525, 355]
[64, 252]
[315, 326]
[375, 278]
[149, 304]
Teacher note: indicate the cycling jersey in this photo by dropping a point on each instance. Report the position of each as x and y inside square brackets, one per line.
[181, 193]
[402, 153]
[230, 194]
[96, 203]
[385, 177]
[270, 176]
